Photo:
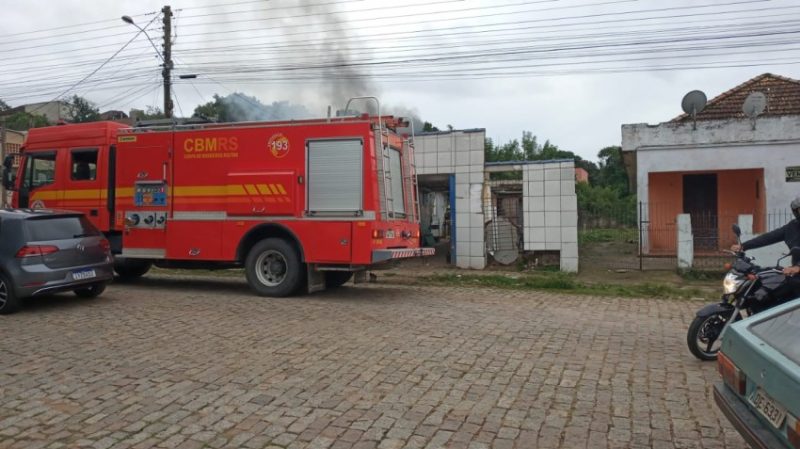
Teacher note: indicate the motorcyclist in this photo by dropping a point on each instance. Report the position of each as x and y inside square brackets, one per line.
[790, 235]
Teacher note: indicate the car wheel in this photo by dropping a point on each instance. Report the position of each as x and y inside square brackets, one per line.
[91, 291]
[273, 268]
[9, 302]
[130, 269]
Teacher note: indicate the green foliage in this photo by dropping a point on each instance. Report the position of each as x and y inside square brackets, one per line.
[83, 110]
[23, 121]
[529, 149]
[604, 235]
[211, 110]
[428, 127]
[4, 106]
[611, 170]
[152, 113]
[606, 199]
[238, 107]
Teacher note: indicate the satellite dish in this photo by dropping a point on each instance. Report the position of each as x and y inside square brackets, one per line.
[755, 104]
[694, 102]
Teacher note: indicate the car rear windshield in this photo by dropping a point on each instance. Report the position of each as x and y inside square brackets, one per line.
[781, 332]
[59, 228]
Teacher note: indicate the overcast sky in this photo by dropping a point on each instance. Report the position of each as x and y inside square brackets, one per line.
[571, 71]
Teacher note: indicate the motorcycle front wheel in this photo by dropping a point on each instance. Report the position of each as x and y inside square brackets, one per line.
[703, 336]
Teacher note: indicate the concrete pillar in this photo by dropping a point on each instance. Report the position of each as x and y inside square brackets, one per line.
[746, 225]
[685, 242]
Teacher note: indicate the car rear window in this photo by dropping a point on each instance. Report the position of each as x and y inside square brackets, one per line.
[59, 228]
[781, 333]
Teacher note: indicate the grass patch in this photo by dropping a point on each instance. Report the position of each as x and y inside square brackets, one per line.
[602, 235]
[698, 275]
[566, 283]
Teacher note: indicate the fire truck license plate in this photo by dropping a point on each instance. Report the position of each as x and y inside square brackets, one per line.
[768, 407]
[82, 275]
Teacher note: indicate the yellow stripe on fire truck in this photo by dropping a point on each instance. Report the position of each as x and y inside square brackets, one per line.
[179, 192]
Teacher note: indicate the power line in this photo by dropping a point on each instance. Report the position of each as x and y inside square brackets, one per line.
[64, 27]
[249, 11]
[481, 16]
[317, 32]
[101, 65]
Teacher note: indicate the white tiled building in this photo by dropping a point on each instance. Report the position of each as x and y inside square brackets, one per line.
[549, 201]
[459, 153]
[551, 210]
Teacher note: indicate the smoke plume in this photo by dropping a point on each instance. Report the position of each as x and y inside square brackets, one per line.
[340, 79]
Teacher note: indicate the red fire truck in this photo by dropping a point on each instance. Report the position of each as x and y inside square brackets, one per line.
[301, 205]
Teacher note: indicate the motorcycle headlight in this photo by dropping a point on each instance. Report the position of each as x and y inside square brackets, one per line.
[731, 283]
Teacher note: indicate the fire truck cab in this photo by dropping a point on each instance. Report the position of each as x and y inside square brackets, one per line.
[300, 205]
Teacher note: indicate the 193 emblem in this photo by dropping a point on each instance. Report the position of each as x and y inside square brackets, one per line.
[278, 145]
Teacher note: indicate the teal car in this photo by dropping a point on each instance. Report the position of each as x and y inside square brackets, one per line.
[760, 366]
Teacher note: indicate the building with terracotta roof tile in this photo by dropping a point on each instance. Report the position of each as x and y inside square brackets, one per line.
[717, 166]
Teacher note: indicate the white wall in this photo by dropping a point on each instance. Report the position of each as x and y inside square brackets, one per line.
[460, 153]
[551, 210]
[52, 110]
[719, 145]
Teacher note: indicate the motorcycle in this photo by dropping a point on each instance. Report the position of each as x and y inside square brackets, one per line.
[747, 289]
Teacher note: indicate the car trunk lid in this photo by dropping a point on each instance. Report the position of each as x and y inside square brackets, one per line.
[66, 241]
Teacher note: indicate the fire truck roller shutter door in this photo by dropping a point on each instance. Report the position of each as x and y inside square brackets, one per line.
[335, 177]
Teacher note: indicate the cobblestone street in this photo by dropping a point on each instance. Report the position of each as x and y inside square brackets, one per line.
[193, 363]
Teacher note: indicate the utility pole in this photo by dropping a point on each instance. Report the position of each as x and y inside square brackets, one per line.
[167, 72]
[2, 160]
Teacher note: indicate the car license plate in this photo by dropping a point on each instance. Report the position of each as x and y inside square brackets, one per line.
[83, 275]
[390, 234]
[768, 407]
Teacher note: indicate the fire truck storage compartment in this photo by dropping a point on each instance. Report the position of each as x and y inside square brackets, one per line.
[262, 193]
[335, 177]
[194, 239]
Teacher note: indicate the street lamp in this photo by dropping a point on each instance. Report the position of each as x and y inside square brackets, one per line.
[166, 58]
[129, 19]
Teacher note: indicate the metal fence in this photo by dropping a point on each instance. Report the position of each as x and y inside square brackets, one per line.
[644, 236]
[608, 237]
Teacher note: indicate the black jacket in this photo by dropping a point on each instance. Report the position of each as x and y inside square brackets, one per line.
[788, 234]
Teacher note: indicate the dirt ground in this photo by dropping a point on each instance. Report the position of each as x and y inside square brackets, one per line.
[605, 262]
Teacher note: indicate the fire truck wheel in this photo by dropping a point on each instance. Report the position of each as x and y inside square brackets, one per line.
[128, 269]
[335, 279]
[273, 268]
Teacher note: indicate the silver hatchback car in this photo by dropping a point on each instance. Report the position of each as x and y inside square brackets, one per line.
[48, 251]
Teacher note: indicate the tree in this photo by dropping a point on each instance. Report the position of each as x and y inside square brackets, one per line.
[428, 127]
[83, 110]
[152, 113]
[211, 110]
[611, 170]
[4, 106]
[23, 121]
[238, 107]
